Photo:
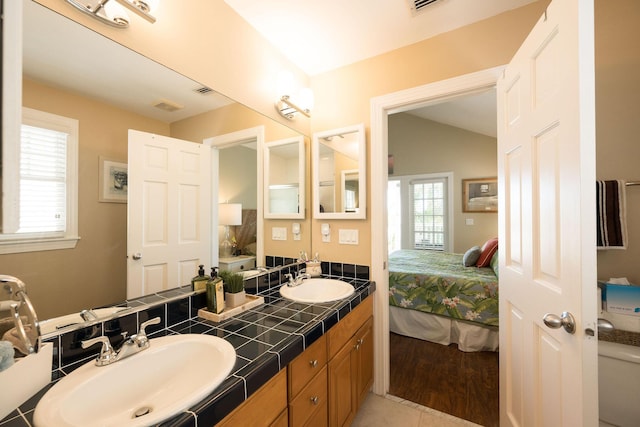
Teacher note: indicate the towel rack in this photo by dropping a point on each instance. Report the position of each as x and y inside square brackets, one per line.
[630, 183]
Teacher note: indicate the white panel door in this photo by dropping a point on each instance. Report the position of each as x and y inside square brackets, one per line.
[546, 164]
[169, 231]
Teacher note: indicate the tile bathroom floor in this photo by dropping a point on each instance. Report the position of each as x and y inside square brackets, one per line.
[389, 411]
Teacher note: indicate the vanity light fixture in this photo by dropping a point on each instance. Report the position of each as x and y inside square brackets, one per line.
[286, 105]
[114, 13]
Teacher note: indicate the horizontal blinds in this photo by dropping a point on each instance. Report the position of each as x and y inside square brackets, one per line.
[43, 169]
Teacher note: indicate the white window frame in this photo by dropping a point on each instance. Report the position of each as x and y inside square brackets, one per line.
[29, 242]
[407, 210]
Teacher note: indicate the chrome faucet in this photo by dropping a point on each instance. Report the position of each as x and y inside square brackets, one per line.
[88, 315]
[297, 281]
[134, 344]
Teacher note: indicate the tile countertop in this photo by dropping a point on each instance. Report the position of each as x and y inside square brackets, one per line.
[266, 338]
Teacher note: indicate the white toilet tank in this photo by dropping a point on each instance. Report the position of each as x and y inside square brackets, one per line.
[619, 384]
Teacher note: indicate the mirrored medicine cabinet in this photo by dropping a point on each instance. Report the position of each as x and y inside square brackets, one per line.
[338, 159]
[284, 172]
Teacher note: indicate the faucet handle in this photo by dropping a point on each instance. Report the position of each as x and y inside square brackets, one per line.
[106, 352]
[149, 322]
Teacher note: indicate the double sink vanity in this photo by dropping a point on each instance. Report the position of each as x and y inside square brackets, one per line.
[304, 357]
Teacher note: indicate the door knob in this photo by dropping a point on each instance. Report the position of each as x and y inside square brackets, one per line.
[566, 321]
[137, 256]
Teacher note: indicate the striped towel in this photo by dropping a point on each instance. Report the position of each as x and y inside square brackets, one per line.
[611, 214]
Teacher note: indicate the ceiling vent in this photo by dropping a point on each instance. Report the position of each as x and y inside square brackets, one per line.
[417, 6]
[203, 90]
[167, 105]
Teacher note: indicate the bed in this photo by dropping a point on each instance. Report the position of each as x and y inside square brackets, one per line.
[434, 297]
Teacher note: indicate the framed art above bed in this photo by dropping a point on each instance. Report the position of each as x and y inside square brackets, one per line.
[480, 195]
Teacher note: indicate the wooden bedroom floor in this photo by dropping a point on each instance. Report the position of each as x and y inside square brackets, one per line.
[444, 378]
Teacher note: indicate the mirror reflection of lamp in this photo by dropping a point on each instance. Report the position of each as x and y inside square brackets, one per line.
[228, 214]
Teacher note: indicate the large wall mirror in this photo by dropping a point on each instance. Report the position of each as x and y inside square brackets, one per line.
[284, 171]
[339, 173]
[73, 71]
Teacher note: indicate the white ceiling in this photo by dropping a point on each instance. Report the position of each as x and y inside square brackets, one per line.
[321, 35]
[475, 113]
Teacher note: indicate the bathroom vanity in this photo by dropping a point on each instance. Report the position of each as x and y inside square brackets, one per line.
[292, 358]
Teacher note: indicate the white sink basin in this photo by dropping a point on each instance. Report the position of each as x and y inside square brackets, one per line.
[317, 290]
[173, 374]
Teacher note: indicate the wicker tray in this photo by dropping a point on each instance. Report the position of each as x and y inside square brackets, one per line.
[252, 301]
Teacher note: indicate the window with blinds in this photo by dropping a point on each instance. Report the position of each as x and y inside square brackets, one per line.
[40, 185]
[428, 213]
[43, 180]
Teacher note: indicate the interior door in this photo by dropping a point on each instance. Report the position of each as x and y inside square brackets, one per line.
[169, 226]
[546, 164]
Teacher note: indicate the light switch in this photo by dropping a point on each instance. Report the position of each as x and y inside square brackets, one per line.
[278, 233]
[348, 237]
[468, 221]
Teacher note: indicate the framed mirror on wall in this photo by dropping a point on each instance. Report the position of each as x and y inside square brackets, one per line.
[338, 159]
[53, 69]
[284, 184]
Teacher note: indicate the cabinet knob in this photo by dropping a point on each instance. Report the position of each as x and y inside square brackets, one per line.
[313, 363]
[314, 400]
[358, 344]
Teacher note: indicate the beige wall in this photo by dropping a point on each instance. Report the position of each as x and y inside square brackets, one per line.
[94, 273]
[421, 146]
[343, 95]
[618, 126]
[211, 44]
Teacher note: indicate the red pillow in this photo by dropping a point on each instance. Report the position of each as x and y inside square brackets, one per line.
[488, 250]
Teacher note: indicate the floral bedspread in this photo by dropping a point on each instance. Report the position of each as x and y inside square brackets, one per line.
[438, 283]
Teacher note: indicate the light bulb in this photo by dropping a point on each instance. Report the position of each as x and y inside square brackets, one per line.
[306, 99]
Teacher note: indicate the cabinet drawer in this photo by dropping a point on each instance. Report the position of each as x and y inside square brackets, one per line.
[344, 330]
[306, 366]
[310, 400]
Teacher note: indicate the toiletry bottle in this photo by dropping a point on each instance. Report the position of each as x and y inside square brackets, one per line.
[215, 293]
[199, 282]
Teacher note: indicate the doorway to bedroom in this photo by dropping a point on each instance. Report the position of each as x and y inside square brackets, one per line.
[443, 331]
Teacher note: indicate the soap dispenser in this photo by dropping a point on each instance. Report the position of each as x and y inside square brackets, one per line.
[215, 292]
[199, 282]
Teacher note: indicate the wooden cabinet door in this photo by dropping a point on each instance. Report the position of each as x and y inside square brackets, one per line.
[342, 376]
[264, 407]
[364, 353]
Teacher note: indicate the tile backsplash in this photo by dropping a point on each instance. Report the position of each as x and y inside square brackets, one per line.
[173, 307]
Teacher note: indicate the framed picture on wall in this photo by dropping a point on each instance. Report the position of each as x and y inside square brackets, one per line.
[113, 181]
[480, 195]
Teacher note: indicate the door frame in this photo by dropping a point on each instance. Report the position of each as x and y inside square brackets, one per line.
[256, 134]
[381, 107]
